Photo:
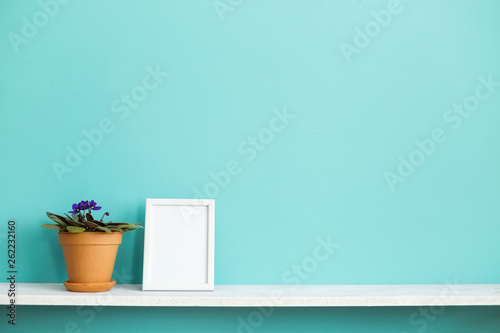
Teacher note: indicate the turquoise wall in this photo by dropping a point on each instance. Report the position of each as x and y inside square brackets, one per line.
[368, 126]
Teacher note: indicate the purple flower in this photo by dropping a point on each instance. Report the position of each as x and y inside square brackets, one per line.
[76, 208]
[93, 205]
[84, 204]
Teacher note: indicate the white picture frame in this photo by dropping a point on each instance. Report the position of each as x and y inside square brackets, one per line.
[179, 244]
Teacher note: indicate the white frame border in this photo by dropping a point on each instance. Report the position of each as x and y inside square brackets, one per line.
[210, 204]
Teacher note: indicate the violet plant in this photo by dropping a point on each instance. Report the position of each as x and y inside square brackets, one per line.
[81, 220]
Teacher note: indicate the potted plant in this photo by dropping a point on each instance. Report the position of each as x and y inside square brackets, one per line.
[89, 246]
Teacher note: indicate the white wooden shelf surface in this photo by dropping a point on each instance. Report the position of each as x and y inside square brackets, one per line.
[53, 294]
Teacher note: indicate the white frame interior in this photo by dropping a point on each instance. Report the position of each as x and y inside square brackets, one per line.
[179, 244]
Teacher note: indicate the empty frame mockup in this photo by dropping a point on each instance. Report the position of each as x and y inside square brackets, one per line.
[179, 244]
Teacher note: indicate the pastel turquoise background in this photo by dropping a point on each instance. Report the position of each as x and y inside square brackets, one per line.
[323, 174]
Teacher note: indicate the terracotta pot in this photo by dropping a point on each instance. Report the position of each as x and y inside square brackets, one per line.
[90, 258]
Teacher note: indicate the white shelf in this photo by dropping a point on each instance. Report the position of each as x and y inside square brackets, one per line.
[53, 294]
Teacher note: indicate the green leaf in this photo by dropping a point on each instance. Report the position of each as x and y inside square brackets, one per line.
[115, 229]
[128, 226]
[103, 229]
[90, 225]
[75, 223]
[52, 226]
[58, 219]
[124, 225]
[99, 223]
[118, 225]
[75, 229]
[75, 217]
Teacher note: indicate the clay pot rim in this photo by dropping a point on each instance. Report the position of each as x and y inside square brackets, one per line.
[90, 238]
